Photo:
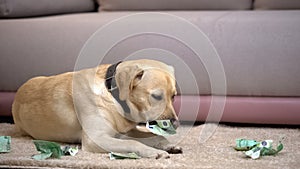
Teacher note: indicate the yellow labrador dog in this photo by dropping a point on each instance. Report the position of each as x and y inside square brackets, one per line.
[101, 107]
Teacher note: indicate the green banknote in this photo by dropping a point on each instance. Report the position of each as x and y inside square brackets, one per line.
[264, 148]
[161, 127]
[47, 149]
[5, 142]
[245, 144]
[255, 149]
[68, 150]
[114, 156]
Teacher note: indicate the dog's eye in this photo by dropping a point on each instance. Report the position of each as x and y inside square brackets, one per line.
[157, 97]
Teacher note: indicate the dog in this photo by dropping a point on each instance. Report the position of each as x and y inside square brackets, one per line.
[101, 107]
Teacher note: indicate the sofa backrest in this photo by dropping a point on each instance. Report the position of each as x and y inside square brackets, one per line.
[141, 5]
[112, 5]
[33, 8]
[276, 4]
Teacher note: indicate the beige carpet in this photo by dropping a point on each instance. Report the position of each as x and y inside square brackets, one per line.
[214, 153]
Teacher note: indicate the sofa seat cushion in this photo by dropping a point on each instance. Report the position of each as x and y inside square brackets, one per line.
[277, 4]
[112, 5]
[259, 110]
[30, 8]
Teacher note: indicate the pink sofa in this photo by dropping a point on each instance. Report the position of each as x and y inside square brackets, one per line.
[257, 43]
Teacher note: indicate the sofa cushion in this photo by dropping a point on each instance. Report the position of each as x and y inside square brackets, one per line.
[112, 5]
[29, 8]
[277, 4]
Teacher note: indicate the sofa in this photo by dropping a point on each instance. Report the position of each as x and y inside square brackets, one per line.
[245, 69]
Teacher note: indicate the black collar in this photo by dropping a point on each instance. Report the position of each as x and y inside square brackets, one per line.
[111, 85]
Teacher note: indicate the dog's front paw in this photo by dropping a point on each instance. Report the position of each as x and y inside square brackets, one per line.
[157, 154]
[173, 149]
[162, 155]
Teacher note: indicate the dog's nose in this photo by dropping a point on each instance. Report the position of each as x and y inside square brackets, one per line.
[175, 123]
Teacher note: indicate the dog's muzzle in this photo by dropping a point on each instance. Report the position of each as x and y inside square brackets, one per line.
[175, 123]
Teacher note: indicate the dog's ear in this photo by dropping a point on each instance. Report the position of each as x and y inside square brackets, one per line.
[127, 78]
[171, 70]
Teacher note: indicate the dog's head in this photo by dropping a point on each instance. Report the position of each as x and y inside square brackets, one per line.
[149, 88]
